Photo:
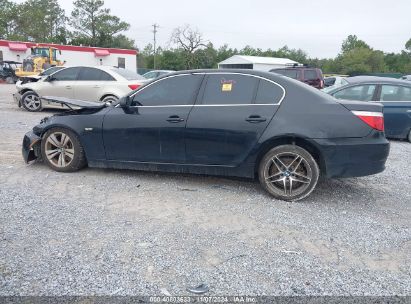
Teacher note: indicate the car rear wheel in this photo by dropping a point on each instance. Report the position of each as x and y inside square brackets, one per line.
[31, 101]
[109, 99]
[62, 151]
[288, 172]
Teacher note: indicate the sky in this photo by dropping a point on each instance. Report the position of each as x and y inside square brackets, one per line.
[317, 26]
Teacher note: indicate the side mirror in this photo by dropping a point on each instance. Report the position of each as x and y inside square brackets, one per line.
[50, 78]
[125, 101]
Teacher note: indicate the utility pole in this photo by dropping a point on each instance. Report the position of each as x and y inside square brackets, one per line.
[155, 27]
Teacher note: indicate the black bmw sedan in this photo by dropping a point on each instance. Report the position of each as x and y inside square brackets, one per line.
[221, 122]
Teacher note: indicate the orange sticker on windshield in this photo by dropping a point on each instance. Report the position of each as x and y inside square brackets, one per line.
[227, 87]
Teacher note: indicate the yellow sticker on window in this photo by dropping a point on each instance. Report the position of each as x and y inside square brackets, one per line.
[227, 87]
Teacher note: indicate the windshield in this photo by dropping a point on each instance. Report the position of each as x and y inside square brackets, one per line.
[337, 84]
[50, 71]
[127, 74]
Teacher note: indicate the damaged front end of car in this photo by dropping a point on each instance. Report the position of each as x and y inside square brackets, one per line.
[31, 147]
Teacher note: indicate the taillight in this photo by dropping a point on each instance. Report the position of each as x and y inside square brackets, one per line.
[374, 119]
[134, 86]
[322, 84]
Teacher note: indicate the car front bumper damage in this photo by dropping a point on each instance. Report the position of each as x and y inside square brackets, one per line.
[31, 147]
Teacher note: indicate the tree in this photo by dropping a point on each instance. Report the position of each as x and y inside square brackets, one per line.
[7, 19]
[94, 25]
[362, 61]
[189, 41]
[408, 45]
[353, 42]
[41, 21]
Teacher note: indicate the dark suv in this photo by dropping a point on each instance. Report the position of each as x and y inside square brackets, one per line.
[308, 75]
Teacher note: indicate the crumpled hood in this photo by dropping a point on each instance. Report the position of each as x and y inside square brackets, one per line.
[74, 103]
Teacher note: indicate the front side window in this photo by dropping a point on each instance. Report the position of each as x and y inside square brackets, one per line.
[179, 90]
[395, 93]
[67, 74]
[268, 93]
[229, 89]
[361, 92]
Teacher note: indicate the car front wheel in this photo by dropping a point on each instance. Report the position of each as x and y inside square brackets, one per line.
[62, 150]
[288, 172]
[31, 101]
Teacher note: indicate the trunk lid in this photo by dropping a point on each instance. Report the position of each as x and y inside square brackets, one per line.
[353, 105]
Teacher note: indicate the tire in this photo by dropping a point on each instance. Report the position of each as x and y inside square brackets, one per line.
[109, 99]
[409, 136]
[288, 167]
[31, 101]
[62, 151]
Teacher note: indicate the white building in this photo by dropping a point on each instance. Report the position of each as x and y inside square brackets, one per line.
[73, 55]
[255, 63]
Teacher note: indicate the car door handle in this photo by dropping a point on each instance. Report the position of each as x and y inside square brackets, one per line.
[255, 119]
[96, 87]
[175, 119]
[68, 87]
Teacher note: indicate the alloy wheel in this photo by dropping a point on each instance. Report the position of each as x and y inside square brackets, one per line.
[32, 102]
[288, 174]
[59, 149]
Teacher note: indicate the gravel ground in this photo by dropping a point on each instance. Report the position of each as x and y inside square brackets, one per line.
[110, 232]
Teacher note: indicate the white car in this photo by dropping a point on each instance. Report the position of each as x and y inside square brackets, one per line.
[105, 84]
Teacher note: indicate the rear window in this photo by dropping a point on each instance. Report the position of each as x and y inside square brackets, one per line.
[268, 93]
[287, 72]
[310, 75]
[127, 74]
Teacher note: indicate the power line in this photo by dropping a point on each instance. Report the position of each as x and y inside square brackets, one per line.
[155, 27]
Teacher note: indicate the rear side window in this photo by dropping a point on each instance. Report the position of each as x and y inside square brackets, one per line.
[310, 75]
[67, 74]
[180, 90]
[229, 89]
[395, 93]
[361, 92]
[268, 93]
[91, 74]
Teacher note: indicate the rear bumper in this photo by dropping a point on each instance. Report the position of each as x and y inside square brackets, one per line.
[352, 157]
[31, 147]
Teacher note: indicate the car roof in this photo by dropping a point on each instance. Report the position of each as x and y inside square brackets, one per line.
[219, 71]
[375, 79]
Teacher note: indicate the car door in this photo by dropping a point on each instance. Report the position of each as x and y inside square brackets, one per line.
[232, 114]
[397, 109]
[60, 84]
[91, 84]
[152, 129]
